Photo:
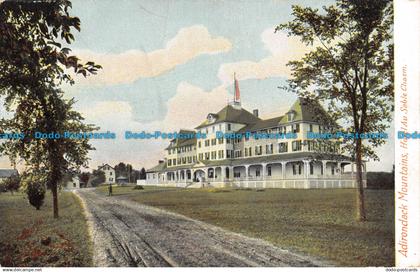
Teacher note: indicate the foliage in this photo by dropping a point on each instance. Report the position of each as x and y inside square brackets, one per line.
[33, 65]
[84, 177]
[97, 177]
[138, 187]
[351, 64]
[350, 68]
[12, 183]
[35, 188]
[380, 180]
[142, 173]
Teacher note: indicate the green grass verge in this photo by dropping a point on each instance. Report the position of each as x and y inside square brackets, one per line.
[317, 222]
[34, 238]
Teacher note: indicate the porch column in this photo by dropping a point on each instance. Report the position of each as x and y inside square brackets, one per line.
[230, 172]
[246, 172]
[283, 169]
[222, 173]
[264, 167]
[305, 169]
[324, 168]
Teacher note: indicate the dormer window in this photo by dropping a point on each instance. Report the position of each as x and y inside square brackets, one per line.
[211, 118]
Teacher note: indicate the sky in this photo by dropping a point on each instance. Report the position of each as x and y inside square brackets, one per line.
[167, 63]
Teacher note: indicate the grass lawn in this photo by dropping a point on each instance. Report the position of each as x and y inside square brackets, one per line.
[33, 238]
[317, 222]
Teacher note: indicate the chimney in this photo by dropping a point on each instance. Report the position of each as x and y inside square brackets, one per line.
[255, 112]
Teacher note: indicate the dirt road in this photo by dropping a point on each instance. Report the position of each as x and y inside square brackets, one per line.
[126, 233]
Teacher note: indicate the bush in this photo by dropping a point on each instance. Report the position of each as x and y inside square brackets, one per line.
[36, 194]
[138, 187]
[12, 184]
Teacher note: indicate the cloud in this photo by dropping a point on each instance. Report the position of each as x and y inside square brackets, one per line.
[282, 49]
[131, 65]
[191, 104]
[187, 109]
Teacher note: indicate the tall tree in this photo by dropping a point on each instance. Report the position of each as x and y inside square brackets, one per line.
[350, 69]
[33, 65]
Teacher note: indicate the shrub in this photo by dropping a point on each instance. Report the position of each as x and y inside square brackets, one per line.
[12, 184]
[36, 194]
[138, 187]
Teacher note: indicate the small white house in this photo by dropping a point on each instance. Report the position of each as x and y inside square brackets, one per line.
[109, 173]
[73, 183]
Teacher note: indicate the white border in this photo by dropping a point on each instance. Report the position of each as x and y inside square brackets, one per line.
[407, 185]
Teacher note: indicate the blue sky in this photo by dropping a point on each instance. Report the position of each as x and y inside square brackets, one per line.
[151, 80]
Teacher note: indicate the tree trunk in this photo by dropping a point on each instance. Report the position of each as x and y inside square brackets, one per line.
[361, 213]
[55, 197]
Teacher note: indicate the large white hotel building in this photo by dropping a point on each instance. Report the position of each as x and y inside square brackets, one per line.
[256, 163]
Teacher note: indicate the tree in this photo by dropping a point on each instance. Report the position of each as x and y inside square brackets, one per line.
[142, 173]
[32, 68]
[84, 177]
[350, 69]
[98, 177]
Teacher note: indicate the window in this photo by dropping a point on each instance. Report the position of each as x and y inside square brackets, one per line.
[110, 173]
[311, 145]
[332, 170]
[169, 162]
[257, 172]
[297, 145]
[311, 129]
[296, 128]
[220, 140]
[229, 127]
[200, 156]
[207, 143]
[213, 141]
[269, 149]
[282, 147]
[311, 168]
[199, 144]
[269, 171]
[246, 152]
[207, 155]
[250, 151]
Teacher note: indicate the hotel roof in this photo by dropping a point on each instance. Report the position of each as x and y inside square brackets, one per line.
[231, 114]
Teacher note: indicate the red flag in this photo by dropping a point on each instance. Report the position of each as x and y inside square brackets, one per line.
[237, 96]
